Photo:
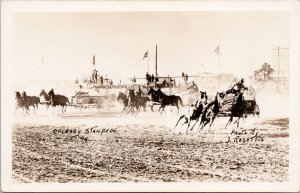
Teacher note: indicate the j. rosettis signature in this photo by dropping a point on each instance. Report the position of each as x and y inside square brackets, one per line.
[245, 136]
[78, 133]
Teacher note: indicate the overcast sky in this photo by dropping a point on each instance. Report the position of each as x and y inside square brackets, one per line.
[186, 40]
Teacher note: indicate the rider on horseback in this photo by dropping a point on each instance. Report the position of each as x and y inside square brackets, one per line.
[194, 87]
[237, 87]
[139, 92]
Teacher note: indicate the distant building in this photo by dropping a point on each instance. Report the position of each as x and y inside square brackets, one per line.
[264, 73]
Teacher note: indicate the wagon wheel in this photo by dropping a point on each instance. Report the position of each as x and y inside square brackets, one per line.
[256, 111]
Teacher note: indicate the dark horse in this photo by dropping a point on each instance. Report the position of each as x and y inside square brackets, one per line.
[47, 98]
[30, 101]
[194, 111]
[154, 97]
[20, 103]
[133, 102]
[211, 111]
[58, 100]
[237, 110]
[164, 99]
[143, 102]
[124, 99]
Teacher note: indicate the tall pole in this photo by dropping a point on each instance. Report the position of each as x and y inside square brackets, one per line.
[219, 56]
[156, 60]
[42, 71]
[278, 63]
[148, 60]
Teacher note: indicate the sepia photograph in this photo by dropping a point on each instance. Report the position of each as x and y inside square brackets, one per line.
[149, 96]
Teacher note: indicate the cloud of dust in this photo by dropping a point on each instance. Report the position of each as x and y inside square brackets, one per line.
[273, 104]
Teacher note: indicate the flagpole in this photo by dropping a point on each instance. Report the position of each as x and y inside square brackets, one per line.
[148, 60]
[219, 56]
[156, 60]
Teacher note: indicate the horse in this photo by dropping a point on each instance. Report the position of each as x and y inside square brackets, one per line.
[166, 100]
[30, 101]
[153, 97]
[47, 98]
[143, 101]
[124, 99]
[193, 112]
[20, 103]
[133, 102]
[211, 111]
[58, 100]
[237, 110]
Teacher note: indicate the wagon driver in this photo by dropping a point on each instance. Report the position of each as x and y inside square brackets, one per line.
[237, 87]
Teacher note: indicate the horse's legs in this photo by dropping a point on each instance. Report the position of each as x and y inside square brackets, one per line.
[178, 122]
[27, 110]
[237, 122]
[16, 110]
[196, 121]
[205, 123]
[152, 107]
[189, 123]
[200, 125]
[159, 108]
[229, 121]
[137, 110]
[123, 110]
[163, 109]
[212, 120]
[177, 108]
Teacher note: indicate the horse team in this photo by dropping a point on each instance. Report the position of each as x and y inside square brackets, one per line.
[24, 102]
[206, 112]
[202, 111]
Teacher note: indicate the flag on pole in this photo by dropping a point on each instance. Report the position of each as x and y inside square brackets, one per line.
[217, 50]
[145, 55]
[94, 60]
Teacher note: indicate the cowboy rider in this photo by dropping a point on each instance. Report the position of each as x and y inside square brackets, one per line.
[194, 87]
[237, 87]
[139, 92]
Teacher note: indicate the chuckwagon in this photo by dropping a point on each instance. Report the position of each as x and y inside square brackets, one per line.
[250, 104]
[88, 99]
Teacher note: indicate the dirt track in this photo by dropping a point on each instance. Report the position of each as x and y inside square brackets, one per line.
[142, 149]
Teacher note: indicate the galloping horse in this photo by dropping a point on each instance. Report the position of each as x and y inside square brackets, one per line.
[237, 110]
[211, 111]
[168, 100]
[30, 101]
[47, 98]
[20, 103]
[58, 100]
[133, 101]
[153, 97]
[124, 99]
[143, 101]
[164, 100]
[193, 112]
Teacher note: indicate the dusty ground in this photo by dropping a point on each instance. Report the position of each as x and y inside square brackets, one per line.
[143, 149]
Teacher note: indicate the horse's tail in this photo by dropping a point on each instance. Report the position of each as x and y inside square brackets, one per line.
[68, 100]
[179, 98]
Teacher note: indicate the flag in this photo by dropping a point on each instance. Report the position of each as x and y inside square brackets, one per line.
[94, 60]
[145, 55]
[217, 50]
